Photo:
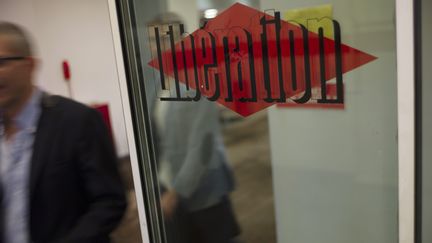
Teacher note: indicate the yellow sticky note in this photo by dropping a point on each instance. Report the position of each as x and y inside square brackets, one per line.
[313, 18]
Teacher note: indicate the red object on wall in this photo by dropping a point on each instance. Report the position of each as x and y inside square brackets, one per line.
[104, 110]
[66, 70]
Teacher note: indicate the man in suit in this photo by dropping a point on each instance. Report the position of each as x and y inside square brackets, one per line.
[58, 168]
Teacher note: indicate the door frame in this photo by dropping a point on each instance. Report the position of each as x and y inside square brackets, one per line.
[406, 118]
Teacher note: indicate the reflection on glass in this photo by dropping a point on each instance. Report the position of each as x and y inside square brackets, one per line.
[194, 175]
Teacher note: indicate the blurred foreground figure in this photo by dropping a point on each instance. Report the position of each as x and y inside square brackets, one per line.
[59, 178]
[194, 172]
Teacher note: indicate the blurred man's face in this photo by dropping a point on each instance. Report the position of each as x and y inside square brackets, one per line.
[15, 74]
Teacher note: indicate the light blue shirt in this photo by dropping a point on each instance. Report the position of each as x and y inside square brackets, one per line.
[15, 156]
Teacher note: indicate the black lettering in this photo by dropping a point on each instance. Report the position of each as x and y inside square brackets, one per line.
[296, 50]
[239, 65]
[211, 89]
[318, 26]
[178, 96]
[266, 59]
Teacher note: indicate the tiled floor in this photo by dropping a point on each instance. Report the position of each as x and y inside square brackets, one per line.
[248, 147]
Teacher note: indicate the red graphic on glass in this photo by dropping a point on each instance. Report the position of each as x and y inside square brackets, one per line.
[248, 60]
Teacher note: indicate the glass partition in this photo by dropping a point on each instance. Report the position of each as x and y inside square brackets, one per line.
[265, 121]
[425, 186]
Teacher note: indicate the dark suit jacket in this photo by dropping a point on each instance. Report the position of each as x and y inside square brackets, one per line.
[76, 194]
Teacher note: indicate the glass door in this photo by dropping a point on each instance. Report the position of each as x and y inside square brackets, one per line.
[424, 118]
[266, 121]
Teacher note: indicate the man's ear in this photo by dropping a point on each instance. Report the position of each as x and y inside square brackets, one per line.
[33, 62]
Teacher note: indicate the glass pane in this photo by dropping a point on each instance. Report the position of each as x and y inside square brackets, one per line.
[271, 121]
[426, 52]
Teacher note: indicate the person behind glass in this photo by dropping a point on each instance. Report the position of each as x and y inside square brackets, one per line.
[59, 176]
[193, 167]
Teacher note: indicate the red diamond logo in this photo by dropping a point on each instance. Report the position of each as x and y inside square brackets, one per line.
[248, 60]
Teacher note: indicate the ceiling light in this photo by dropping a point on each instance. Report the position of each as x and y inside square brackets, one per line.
[210, 13]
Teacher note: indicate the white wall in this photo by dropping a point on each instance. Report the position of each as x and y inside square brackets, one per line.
[335, 171]
[78, 31]
[223, 4]
[188, 11]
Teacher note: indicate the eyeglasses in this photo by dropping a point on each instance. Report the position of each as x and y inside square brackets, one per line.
[6, 60]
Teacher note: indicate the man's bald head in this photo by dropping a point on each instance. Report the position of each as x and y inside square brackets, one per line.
[16, 69]
[19, 40]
